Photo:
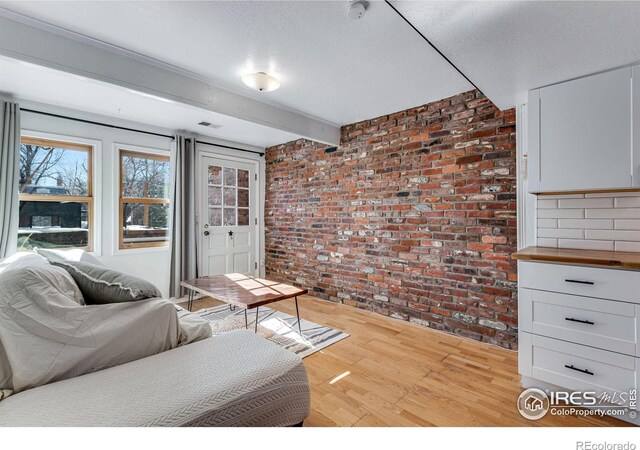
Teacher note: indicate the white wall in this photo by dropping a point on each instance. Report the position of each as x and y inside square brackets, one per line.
[598, 221]
[526, 201]
[151, 264]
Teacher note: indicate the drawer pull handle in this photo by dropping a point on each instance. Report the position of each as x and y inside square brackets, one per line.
[571, 319]
[588, 372]
[580, 282]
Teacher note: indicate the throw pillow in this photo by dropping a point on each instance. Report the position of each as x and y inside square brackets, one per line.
[101, 286]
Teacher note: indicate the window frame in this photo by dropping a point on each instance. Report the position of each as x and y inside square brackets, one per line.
[158, 156]
[89, 199]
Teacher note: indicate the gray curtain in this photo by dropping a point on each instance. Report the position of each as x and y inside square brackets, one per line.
[184, 258]
[9, 174]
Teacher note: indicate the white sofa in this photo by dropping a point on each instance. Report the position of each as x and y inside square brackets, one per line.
[235, 379]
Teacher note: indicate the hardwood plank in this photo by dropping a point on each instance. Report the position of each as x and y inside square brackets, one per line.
[401, 374]
[369, 421]
[317, 419]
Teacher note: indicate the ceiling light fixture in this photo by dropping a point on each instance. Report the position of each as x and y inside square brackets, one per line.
[357, 9]
[261, 81]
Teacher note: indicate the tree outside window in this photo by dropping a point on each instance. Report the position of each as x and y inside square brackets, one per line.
[56, 202]
[144, 199]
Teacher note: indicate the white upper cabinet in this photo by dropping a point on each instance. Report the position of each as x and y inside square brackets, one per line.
[580, 134]
[635, 132]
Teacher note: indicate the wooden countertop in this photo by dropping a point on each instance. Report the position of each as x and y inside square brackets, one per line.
[599, 258]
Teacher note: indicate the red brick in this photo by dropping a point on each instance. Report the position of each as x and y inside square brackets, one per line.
[440, 253]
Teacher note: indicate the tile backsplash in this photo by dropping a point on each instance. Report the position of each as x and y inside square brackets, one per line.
[603, 221]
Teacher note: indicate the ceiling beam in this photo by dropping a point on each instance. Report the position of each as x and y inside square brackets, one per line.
[43, 47]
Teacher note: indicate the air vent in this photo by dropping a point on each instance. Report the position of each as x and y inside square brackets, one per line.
[209, 124]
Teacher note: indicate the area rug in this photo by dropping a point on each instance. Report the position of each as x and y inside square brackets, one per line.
[276, 326]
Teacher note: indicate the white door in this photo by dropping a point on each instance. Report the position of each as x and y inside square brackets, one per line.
[227, 217]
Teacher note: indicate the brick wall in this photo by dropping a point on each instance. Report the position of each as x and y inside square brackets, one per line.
[413, 216]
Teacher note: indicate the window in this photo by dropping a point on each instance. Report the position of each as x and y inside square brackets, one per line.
[144, 200]
[228, 196]
[56, 203]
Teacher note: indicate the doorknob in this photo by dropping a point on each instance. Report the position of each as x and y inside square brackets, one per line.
[206, 232]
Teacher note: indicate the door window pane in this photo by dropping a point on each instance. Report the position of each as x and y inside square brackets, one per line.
[243, 198]
[229, 196]
[229, 176]
[229, 217]
[215, 175]
[215, 196]
[243, 178]
[243, 216]
[215, 217]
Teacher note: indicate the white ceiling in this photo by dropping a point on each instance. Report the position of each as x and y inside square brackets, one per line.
[35, 83]
[341, 70]
[331, 67]
[507, 48]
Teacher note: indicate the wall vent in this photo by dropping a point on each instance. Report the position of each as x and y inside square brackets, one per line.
[209, 124]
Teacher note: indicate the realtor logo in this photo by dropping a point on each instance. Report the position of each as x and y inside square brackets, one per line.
[533, 404]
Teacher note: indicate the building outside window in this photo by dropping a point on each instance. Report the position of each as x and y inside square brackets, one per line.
[56, 198]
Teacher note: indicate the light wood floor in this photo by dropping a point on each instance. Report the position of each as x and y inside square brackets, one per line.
[393, 373]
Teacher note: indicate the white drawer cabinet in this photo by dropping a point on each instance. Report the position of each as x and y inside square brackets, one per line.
[621, 285]
[588, 321]
[579, 127]
[579, 327]
[576, 367]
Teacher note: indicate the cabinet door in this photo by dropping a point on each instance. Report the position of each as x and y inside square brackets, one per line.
[635, 159]
[583, 139]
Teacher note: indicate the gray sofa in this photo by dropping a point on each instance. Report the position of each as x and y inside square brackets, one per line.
[64, 365]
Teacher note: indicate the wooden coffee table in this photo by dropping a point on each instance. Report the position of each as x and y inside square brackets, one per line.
[243, 291]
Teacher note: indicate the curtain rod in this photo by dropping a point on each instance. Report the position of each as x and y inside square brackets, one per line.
[434, 47]
[229, 147]
[91, 122]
